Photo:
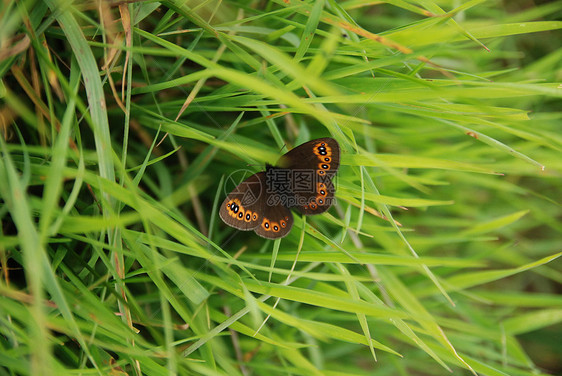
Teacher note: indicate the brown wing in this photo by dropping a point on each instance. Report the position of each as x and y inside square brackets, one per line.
[322, 154]
[277, 219]
[242, 207]
[318, 200]
[312, 165]
[251, 206]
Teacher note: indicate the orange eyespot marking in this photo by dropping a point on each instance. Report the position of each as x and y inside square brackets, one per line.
[254, 216]
[322, 151]
[283, 223]
[313, 205]
[323, 166]
[248, 216]
[266, 225]
[320, 200]
[321, 172]
[234, 209]
[241, 214]
[275, 226]
[322, 190]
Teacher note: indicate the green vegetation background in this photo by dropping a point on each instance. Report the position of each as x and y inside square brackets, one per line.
[122, 122]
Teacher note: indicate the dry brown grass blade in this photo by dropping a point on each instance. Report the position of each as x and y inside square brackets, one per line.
[51, 75]
[42, 111]
[14, 46]
[7, 117]
[126, 22]
[37, 87]
[40, 106]
[115, 40]
[340, 23]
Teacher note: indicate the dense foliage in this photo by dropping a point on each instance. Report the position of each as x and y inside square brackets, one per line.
[124, 125]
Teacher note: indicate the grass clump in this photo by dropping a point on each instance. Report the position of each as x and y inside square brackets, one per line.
[122, 124]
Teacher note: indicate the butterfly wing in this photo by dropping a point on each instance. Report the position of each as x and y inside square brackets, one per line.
[312, 166]
[318, 200]
[322, 154]
[241, 209]
[277, 219]
[251, 206]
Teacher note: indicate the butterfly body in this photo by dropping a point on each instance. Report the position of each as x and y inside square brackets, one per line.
[301, 180]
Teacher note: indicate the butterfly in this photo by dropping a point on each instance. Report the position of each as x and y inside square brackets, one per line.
[301, 180]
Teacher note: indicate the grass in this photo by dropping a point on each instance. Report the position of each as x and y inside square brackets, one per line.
[123, 122]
